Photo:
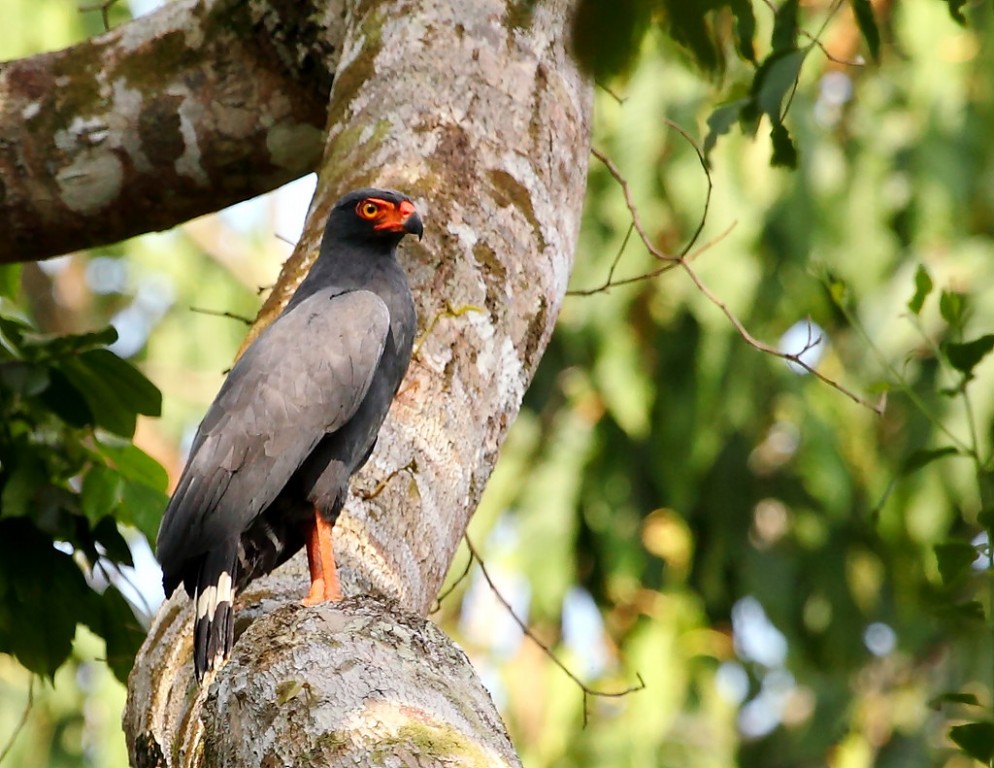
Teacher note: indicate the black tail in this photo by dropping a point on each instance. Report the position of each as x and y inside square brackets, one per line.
[213, 599]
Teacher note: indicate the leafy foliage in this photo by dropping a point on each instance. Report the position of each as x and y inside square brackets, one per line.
[68, 475]
[607, 37]
[684, 480]
[975, 739]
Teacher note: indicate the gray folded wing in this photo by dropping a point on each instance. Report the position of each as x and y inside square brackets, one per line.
[302, 378]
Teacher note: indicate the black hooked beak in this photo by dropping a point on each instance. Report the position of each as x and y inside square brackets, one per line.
[413, 225]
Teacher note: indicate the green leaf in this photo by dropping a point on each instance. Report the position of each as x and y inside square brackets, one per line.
[975, 739]
[986, 518]
[971, 610]
[605, 37]
[721, 121]
[11, 334]
[689, 26]
[107, 410]
[776, 77]
[955, 10]
[964, 357]
[43, 595]
[66, 401]
[70, 344]
[142, 507]
[863, 12]
[952, 307]
[10, 280]
[784, 152]
[11, 313]
[144, 482]
[922, 457]
[23, 483]
[115, 546]
[785, 26]
[954, 698]
[121, 630]
[101, 493]
[955, 560]
[133, 463]
[923, 287]
[24, 378]
[114, 390]
[132, 387]
[745, 28]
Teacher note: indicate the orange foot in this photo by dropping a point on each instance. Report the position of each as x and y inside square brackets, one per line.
[321, 562]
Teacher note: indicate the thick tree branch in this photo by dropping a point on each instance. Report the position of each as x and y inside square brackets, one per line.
[334, 685]
[427, 707]
[176, 114]
[480, 115]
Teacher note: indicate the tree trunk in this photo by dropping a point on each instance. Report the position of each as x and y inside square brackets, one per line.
[474, 108]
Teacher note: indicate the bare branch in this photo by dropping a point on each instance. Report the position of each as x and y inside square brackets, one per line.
[453, 586]
[411, 466]
[618, 99]
[636, 224]
[223, 313]
[587, 690]
[702, 159]
[672, 263]
[830, 56]
[684, 262]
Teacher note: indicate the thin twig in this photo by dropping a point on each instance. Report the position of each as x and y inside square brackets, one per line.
[221, 313]
[636, 224]
[22, 722]
[684, 262]
[815, 40]
[411, 466]
[672, 263]
[609, 280]
[898, 378]
[587, 690]
[793, 357]
[619, 99]
[703, 160]
[452, 587]
[104, 8]
[285, 239]
[831, 57]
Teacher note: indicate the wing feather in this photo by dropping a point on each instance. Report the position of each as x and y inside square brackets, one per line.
[303, 377]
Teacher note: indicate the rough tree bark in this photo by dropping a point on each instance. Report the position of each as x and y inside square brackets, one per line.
[474, 108]
[177, 114]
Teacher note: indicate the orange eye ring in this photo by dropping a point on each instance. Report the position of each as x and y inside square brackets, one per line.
[367, 209]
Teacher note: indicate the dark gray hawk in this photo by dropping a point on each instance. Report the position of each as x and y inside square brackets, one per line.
[296, 417]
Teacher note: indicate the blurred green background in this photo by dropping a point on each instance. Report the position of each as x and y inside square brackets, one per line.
[791, 574]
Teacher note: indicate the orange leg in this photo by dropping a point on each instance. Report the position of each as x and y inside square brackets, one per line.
[321, 561]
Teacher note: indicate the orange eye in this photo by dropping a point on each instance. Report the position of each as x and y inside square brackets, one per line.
[367, 209]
